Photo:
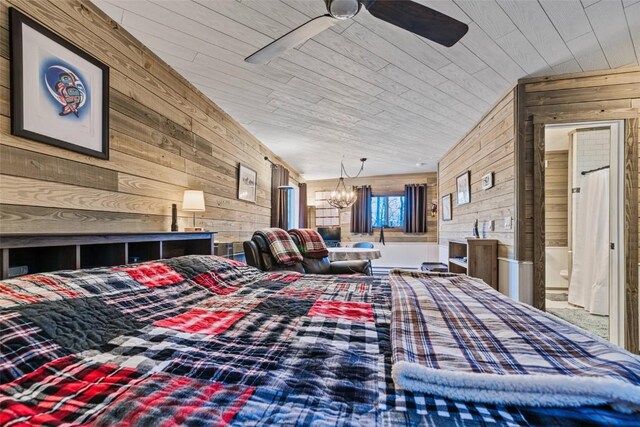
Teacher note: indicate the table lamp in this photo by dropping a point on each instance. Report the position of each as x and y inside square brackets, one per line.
[193, 201]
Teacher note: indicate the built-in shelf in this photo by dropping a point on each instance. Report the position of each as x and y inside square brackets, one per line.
[481, 259]
[38, 253]
[458, 262]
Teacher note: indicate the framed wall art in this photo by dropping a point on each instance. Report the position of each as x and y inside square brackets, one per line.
[59, 93]
[247, 179]
[487, 181]
[463, 188]
[447, 211]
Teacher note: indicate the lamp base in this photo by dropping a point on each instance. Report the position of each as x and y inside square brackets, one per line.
[191, 229]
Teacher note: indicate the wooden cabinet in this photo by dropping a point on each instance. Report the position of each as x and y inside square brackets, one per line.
[475, 258]
[37, 253]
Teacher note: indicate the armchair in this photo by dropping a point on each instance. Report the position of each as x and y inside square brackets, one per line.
[322, 265]
[258, 254]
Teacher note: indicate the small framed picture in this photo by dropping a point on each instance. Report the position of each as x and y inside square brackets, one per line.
[463, 188]
[59, 93]
[247, 179]
[446, 207]
[487, 181]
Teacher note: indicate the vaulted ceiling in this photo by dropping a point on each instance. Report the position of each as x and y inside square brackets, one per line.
[365, 88]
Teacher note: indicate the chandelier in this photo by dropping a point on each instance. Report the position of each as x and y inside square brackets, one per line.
[343, 197]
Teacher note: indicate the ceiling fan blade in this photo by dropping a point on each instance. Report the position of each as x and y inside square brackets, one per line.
[418, 19]
[292, 39]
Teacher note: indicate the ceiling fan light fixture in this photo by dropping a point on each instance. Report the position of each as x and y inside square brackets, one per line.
[406, 14]
[343, 9]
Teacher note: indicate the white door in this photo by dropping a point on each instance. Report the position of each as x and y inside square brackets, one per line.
[616, 220]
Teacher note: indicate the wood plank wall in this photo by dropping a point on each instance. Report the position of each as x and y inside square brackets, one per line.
[603, 95]
[488, 147]
[556, 198]
[165, 137]
[597, 94]
[380, 185]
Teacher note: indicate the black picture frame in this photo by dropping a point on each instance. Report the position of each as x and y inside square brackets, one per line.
[247, 183]
[447, 207]
[463, 188]
[98, 143]
[487, 181]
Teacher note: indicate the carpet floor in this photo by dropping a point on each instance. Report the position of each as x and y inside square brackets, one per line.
[563, 296]
[597, 325]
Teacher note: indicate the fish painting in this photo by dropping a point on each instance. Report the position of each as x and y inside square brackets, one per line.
[66, 88]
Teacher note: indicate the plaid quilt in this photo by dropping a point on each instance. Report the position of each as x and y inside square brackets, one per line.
[311, 242]
[202, 341]
[281, 246]
[455, 336]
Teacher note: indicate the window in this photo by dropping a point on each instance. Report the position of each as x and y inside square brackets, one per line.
[387, 211]
[293, 208]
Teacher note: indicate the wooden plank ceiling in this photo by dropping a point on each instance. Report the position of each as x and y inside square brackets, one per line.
[368, 89]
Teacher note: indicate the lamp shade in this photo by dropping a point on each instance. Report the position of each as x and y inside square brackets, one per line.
[193, 201]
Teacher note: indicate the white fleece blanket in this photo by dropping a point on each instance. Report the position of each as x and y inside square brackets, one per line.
[456, 337]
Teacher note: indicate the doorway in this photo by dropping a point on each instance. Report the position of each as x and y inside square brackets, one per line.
[583, 182]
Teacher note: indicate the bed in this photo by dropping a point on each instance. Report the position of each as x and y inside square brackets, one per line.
[202, 340]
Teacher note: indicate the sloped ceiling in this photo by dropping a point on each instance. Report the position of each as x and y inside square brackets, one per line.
[368, 89]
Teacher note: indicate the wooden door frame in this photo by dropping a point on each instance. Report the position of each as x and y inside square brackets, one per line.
[630, 119]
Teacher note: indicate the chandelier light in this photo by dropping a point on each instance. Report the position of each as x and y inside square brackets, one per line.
[344, 197]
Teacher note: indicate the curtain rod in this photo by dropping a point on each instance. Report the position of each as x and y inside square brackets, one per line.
[273, 165]
[595, 170]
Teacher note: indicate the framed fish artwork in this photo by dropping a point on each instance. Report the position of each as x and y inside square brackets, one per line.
[59, 93]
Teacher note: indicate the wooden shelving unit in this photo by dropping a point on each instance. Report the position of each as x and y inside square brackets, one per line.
[50, 252]
[475, 258]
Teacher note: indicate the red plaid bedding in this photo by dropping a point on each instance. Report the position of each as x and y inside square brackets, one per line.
[311, 243]
[204, 341]
[281, 246]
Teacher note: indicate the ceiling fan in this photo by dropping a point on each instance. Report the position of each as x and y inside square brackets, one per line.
[406, 14]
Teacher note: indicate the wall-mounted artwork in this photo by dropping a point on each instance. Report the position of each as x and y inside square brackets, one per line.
[463, 188]
[446, 207]
[326, 215]
[487, 181]
[247, 179]
[59, 93]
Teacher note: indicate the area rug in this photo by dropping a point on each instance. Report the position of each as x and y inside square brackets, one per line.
[598, 325]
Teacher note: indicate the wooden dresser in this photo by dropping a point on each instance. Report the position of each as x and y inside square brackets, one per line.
[37, 253]
[475, 258]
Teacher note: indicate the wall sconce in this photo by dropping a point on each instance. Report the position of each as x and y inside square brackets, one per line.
[434, 208]
[193, 201]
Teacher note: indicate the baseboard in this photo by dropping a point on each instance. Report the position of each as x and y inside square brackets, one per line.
[516, 279]
[384, 271]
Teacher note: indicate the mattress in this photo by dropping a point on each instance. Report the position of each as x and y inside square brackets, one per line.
[202, 340]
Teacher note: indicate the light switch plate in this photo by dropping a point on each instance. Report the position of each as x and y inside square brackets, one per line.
[507, 223]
